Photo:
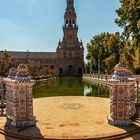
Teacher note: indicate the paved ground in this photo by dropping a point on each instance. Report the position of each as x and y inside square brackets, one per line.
[70, 117]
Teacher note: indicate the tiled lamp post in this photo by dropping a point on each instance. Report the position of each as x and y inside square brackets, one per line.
[19, 100]
[122, 97]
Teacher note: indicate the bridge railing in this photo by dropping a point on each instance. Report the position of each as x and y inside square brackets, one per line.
[99, 76]
[105, 76]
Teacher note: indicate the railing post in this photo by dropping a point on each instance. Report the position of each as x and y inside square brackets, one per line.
[137, 86]
[102, 76]
[105, 77]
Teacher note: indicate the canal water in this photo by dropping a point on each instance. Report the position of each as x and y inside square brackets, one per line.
[69, 86]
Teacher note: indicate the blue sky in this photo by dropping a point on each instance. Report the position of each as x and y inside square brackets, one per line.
[36, 25]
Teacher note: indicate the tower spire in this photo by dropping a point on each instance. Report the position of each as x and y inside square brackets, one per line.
[70, 4]
[70, 15]
[70, 51]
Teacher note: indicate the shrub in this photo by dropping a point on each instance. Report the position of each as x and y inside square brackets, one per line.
[137, 69]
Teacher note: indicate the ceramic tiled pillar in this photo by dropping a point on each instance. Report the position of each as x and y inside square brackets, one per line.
[19, 97]
[122, 97]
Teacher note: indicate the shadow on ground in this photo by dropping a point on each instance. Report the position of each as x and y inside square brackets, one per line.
[28, 133]
[134, 130]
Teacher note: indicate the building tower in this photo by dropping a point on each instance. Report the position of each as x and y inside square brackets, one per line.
[19, 102]
[70, 51]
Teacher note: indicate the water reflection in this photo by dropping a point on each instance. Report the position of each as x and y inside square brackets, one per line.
[69, 87]
[87, 90]
[96, 90]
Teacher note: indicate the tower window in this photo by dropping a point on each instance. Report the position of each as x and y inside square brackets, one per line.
[61, 71]
[73, 21]
[69, 2]
[70, 13]
[66, 21]
[70, 21]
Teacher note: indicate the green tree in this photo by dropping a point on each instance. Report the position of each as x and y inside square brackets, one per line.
[129, 20]
[115, 44]
[40, 71]
[109, 64]
[127, 56]
[104, 52]
[5, 64]
[33, 67]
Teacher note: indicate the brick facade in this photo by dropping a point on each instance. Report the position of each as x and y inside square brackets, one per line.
[69, 56]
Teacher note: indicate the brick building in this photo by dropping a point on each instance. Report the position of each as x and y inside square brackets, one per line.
[69, 56]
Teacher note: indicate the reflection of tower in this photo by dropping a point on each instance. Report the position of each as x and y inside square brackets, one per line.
[70, 49]
[19, 107]
[122, 97]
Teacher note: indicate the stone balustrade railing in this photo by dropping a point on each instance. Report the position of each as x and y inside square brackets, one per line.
[104, 77]
[98, 76]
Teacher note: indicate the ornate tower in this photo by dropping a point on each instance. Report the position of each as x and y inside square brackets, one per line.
[70, 51]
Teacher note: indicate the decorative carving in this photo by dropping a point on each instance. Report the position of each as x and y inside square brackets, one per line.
[122, 97]
[19, 97]
[72, 106]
